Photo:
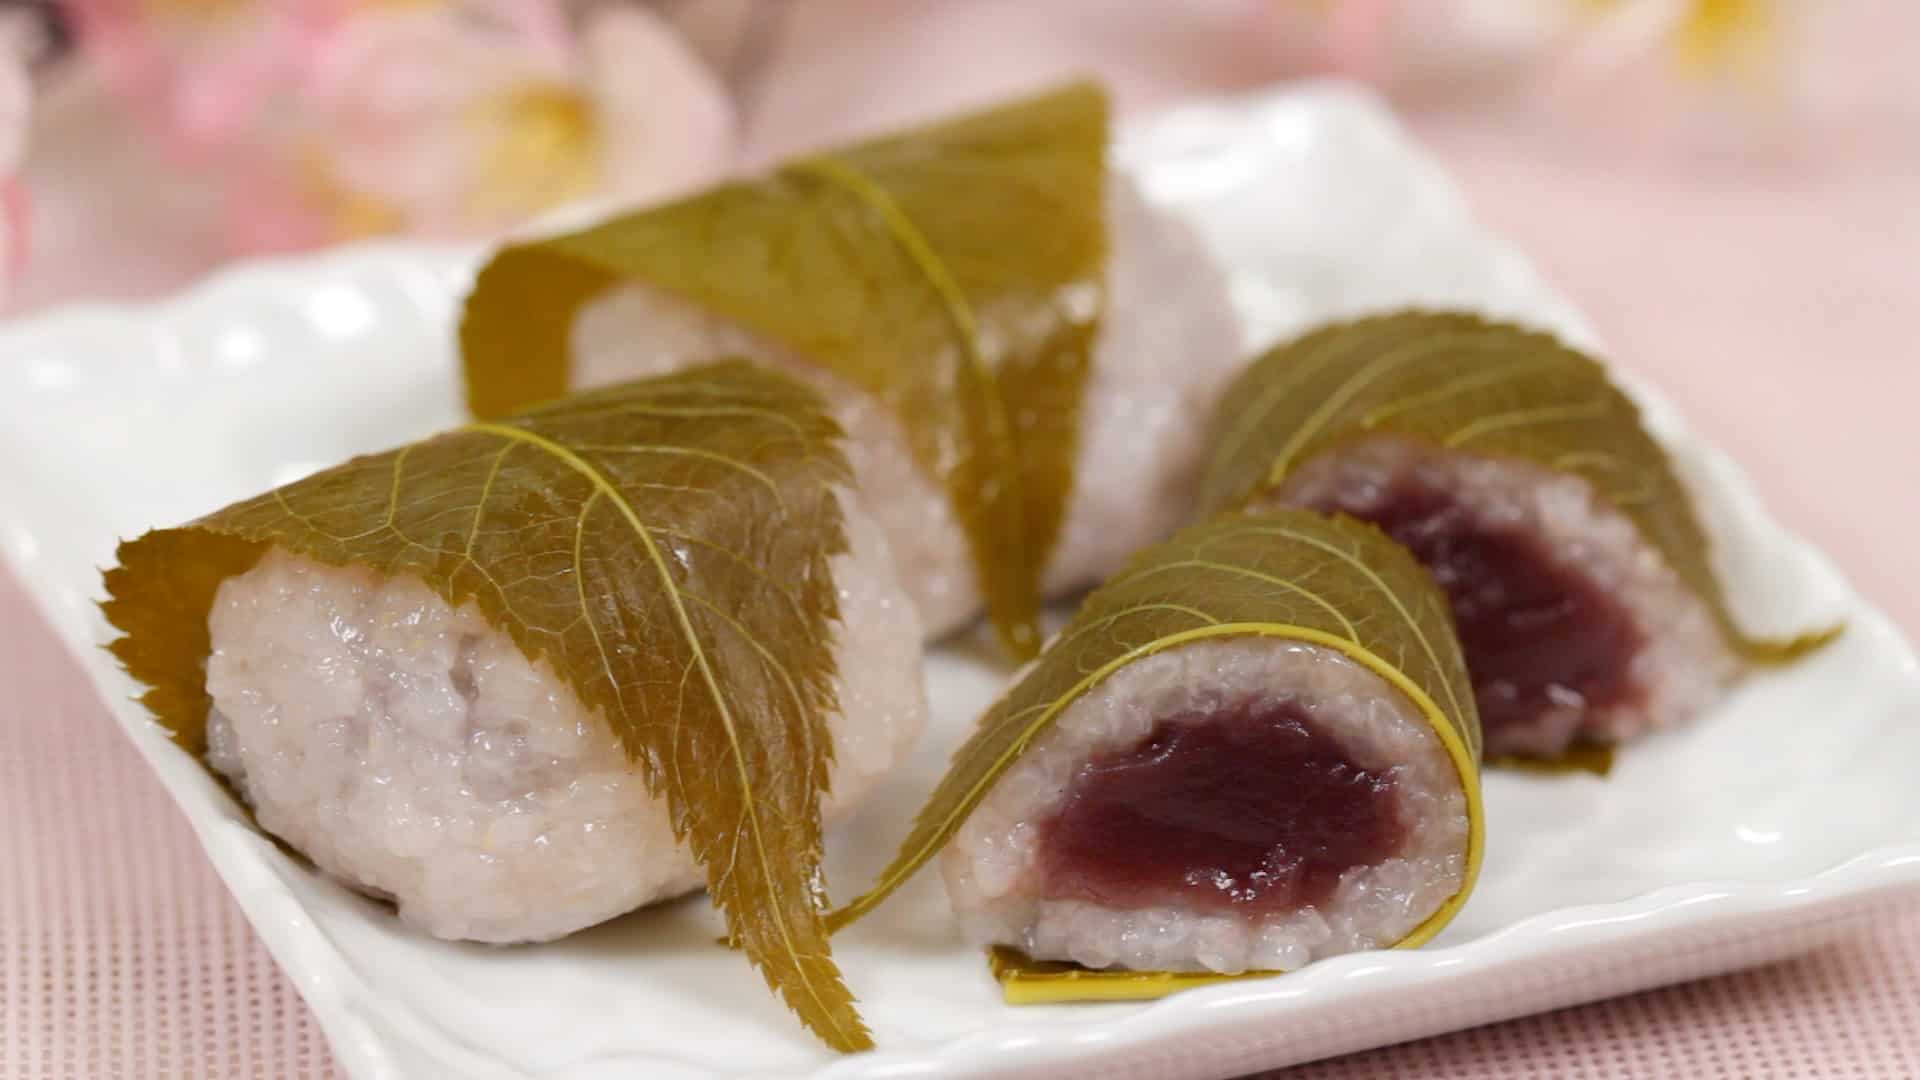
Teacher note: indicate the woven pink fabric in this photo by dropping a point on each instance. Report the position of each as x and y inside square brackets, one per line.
[120, 953]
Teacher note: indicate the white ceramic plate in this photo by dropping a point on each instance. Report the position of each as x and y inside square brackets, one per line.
[1768, 827]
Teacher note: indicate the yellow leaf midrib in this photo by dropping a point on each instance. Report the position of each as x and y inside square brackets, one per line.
[919, 250]
[604, 487]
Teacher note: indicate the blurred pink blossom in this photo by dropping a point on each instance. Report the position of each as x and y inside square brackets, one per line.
[203, 73]
[1692, 75]
[1441, 51]
[1687, 78]
[330, 119]
[668, 125]
[16, 95]
[454, 126]
[1711, 80]
[408, 108]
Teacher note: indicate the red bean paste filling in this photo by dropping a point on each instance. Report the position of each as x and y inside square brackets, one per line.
[1538, 638]
[1251, 811]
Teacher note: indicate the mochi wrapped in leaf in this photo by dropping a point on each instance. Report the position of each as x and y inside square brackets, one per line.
[1578, 574]
[1023, 352]
[1253, 748]
[534, 673]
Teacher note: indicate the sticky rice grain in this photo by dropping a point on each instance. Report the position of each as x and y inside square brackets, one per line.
[411, 751]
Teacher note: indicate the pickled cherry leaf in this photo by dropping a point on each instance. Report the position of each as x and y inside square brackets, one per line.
[1459, 382]
[664, 545]
[1593, 758]
[1026, 981]
[1292, 574]
[956, 272]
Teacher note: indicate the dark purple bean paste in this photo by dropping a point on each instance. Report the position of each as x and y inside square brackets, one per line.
[1538, 638]
[1253, 810]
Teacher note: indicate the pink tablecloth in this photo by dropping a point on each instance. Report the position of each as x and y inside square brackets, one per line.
[1780, 314]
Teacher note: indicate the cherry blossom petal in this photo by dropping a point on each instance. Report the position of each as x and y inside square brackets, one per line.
[666, 124]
